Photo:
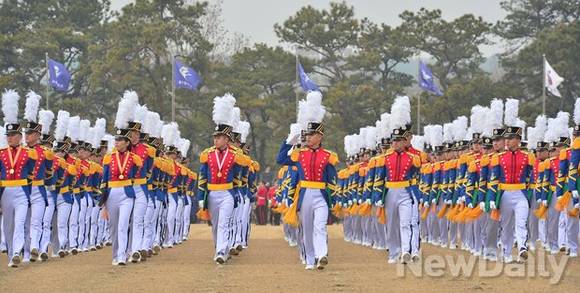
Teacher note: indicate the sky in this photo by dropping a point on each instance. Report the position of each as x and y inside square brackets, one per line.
[256, 18]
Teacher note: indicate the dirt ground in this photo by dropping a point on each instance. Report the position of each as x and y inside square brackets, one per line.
[269, 265]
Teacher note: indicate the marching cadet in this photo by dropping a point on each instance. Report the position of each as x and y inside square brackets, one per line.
[394, 174]
[71, 158]
[63, 176]
[16, 165]
[557, 135]
[245, 208]
[216, 175]
[317, 185]
[435, 201]
[94, 182]
[45, 119]
[491, 226]
[251, 194]
[147, 154]
[574, 204]
[363, 185]
[148, 129]
[120, 167]
[85, 204]
[42, 171]
[170, 135]
[511, 172]
[537, 143]
[49, 235]
[432, 138]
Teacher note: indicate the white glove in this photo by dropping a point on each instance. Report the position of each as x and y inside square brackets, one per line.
[426, 204]
[200, 204]
[577, 206]
[470, 205]
[344, 205]
[461, 200]
[285, 202]
[293, 138]
[482, 206]
[434, 201]
[448, 201]
[575, 193]
[539, 201]
[545, 203]
[421, 201]
[492, 205]
[359, 201]
[379, 203]
[349, 202]
[368, 201]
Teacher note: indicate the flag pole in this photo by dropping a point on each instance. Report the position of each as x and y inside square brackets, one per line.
[419, 103]
[296, 76]
[47, 78]
[173, 88]
[544, 84]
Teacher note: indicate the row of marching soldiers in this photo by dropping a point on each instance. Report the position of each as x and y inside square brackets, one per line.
[78, 189]
[484, 188]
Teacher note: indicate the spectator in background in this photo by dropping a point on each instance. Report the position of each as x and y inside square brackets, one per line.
[261, 203]
[274, 218]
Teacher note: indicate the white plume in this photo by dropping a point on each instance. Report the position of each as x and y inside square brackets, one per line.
[577, 111]
[459, 129]
[126, 110]
[400, 112]
[301, 116]
[61, 125]
[3, 141]
[73, 128]
[84, 130]
[235, 120]
[110, 142]
[477, 119]
[448, 132]
[511, 112]
[45, 118]
[141, 114]
[32, 105]
[495, 119]
[436, 136]
[315, 111]
[170, 134]
[521, 124]
[91, 134]
[184, 146]
[100, 130]
[10, 106]
[244, 130]
[222, 109]
[150, 122]
[532, 138]
[541, 127]
[385, 129]
[563, 119]
[418, 142]
[370, 137]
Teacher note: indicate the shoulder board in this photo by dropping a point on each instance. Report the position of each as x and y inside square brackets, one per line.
[484, 160]
[204, 154]
[495, 159]
[563, 154]
[256, 166]
[576, 143]
[137, 160]
[48, 153]
[151, 151]
[380, 160]
[472, 167]
[532, 158]
[107, 159]
[333, 158]
[32, 154]
[416, 161]
[295, 154]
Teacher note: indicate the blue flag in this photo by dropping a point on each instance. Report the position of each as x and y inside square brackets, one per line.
[185, 77]
[58, 76]
[305, 82]
[426, 80]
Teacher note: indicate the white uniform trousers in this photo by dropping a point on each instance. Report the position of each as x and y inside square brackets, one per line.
[14, 205]
[63, 214]
[313, 217]
[221, 207]
[138, 220]
[119, 207]
[399, 212]
[514, 217]
[47, 227]
[34, 221]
